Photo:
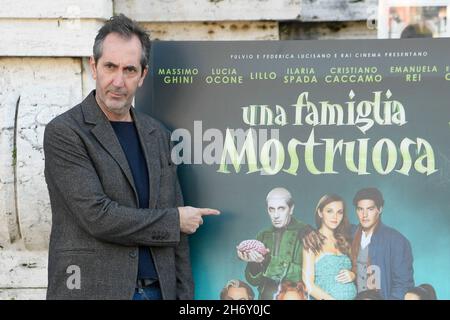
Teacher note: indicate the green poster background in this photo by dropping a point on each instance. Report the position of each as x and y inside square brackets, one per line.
[417, 205]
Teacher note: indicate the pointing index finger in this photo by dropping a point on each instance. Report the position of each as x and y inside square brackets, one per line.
[208, 211]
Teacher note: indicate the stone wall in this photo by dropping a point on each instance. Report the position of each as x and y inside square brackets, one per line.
[44, 49]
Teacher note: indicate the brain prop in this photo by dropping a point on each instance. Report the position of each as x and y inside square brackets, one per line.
[248, 245]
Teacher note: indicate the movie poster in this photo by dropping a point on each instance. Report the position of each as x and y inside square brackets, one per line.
[346, 140]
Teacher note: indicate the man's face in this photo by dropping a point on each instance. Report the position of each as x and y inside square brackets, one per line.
[237, 294]
[279, 212]
[368, 213]
[118, 73]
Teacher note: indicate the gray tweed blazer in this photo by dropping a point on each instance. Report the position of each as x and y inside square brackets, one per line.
[96, 225]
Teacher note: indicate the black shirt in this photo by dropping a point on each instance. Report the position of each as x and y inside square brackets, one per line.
[129, 140]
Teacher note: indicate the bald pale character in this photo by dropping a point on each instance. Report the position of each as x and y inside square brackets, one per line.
[282, 258]
[280, 207]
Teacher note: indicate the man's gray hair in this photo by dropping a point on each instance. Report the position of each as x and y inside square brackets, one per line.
[126, 28]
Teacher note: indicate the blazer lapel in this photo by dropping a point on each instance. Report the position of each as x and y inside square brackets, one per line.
[105, 134]
[149, 143]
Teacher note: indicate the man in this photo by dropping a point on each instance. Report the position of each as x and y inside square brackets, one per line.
[382, 256]
[119, 228]
[284, 242]
[237, 290]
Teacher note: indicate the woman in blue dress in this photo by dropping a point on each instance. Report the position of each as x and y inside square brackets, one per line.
[327, 274]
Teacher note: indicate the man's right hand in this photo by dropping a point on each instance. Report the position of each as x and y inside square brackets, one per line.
[191, 218]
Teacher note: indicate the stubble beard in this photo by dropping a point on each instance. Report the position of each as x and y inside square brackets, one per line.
[118, 108]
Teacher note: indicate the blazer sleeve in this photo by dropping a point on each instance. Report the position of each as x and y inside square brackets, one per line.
[402, 268]
[185, 281]
[72, 180]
